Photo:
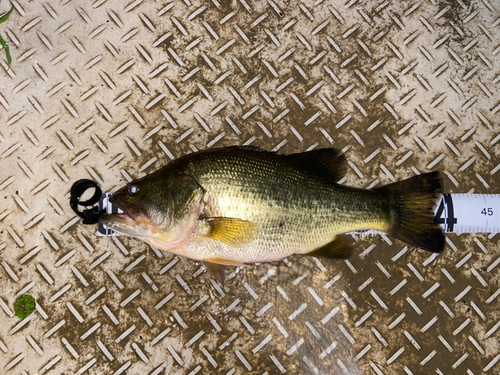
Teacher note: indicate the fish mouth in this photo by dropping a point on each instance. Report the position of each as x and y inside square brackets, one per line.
[116, 218]
[130, 210]
[123, 224]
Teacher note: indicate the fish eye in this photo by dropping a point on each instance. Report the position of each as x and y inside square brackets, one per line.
[133, 189]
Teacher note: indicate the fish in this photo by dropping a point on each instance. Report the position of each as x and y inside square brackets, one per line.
[239, 205]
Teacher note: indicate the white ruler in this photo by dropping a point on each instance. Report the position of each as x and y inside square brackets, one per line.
[469, 213]
[456, 213]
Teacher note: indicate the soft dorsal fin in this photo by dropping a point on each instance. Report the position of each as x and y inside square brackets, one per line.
[329, 162]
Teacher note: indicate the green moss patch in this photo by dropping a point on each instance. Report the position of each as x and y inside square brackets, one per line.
[24, 306]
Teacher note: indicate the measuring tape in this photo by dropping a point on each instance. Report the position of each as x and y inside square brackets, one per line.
[456, 213]
[469, 213]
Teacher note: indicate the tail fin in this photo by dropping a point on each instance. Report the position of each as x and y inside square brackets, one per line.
[412, 202]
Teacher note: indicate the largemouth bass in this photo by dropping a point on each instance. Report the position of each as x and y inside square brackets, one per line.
[240, 205]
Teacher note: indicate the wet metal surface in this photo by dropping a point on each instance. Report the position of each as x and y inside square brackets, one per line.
[111, 90]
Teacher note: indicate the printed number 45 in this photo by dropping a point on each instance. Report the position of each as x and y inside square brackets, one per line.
[487, 211]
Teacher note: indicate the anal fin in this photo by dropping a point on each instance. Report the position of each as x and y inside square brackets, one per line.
[339, 248]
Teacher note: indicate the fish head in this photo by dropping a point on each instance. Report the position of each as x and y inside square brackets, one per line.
[156, 207]
[147, 209]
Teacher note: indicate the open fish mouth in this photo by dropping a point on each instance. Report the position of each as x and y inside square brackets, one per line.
[108, 220]
[126, 225]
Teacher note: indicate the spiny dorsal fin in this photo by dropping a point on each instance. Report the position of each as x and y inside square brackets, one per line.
[230, 231]
[327, 161]
[250, 148]
[339, 248]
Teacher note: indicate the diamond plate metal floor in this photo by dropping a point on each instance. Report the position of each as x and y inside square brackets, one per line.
[111, 90]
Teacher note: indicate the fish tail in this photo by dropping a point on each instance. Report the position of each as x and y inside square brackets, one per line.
[412, 204]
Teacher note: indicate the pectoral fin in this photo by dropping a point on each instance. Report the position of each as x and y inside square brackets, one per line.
[231, 232]
[339, 248]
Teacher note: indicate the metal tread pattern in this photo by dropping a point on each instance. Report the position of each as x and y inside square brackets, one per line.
[111, 90]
